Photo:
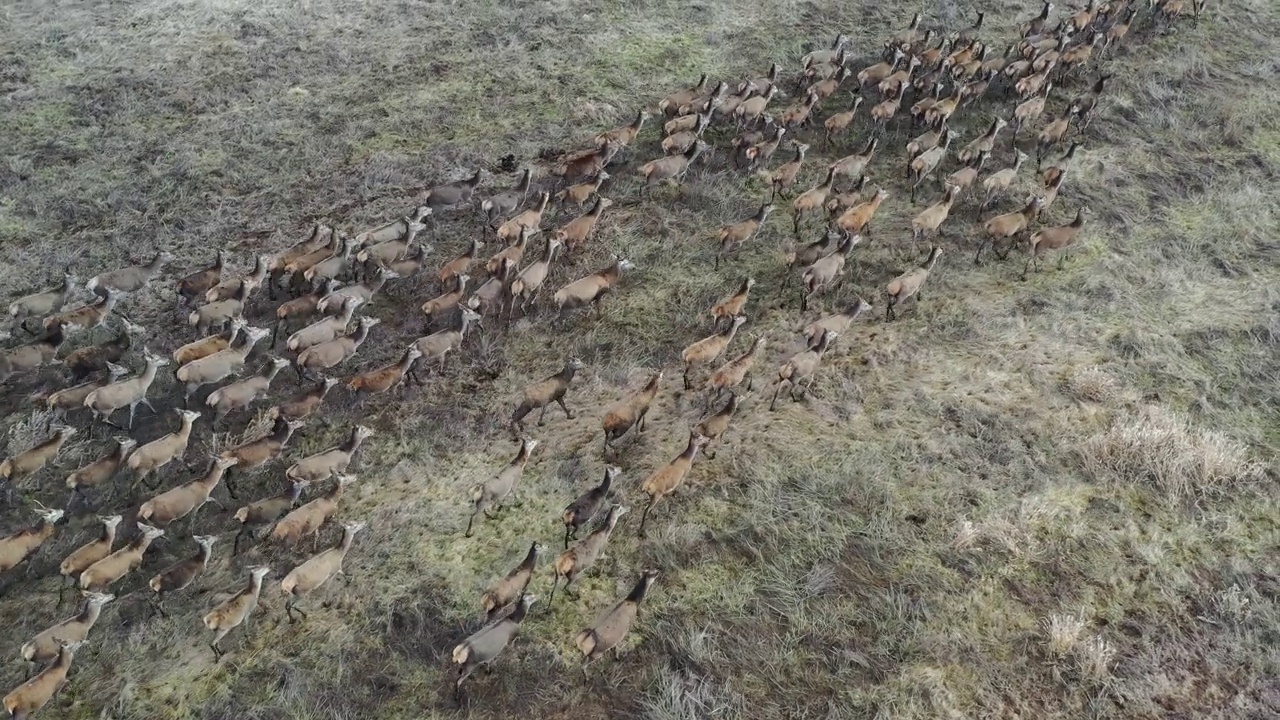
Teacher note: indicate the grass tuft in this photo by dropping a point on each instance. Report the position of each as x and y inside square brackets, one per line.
[1096, 658]
[1062, 632]
[686, 696]
[1233, 605]
[1160, 448]
[1092, 384]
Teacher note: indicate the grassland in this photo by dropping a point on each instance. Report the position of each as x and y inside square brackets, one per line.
[1051, 498]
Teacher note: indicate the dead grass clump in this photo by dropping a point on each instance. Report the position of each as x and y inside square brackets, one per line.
[1014, 537]
[820, 580]
[685, 696]
[966, 536]
[1096, 657]
[258, 427]
[593, 112]
[1091, 384]
[923, 692]
[25, 433]
[1063, 633]
[230, 707]
[1232, 605]
[299, 684]
[1161, 448]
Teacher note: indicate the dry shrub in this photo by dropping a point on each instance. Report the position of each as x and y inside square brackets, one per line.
[1091, 384]
[1159, 447]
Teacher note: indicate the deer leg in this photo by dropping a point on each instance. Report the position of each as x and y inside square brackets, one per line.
[644, 517]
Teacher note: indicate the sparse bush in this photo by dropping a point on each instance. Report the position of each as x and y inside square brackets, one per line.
[1161, 448]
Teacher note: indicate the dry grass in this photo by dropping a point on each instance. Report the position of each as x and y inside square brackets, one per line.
[890, 546]
[1158, 447]
[1096, 657]
[1063, 633]
[1233, 605]
[1093, 384]
[685, 696]
[27, 429]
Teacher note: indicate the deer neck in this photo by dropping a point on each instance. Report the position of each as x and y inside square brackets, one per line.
[92, 611]
[637, 593]
[141, 545]
[212, 478]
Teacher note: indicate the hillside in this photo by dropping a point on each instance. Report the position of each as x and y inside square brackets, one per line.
[1050, 497]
